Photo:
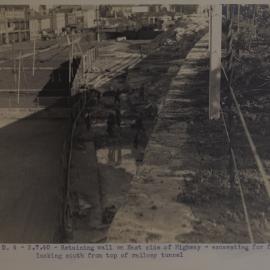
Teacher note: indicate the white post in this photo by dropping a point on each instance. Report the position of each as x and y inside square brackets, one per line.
[87, 60]
[238, 17]
[215, 61]
[97, 20]
[83, 63]
[72, 56]
[19, 77]
[90, 60]
[14, 62]
[210, 27]
[34, 57]
[69, 67]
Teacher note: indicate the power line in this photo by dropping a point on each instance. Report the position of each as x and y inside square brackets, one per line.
[244, 205]
[253, 148]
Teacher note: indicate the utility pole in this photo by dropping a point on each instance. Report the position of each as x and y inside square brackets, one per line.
[97, 20]
[210, 27]
[215, 60]
[72, 56]
[229, 102]
[228, 15]
[14, 61]
[254, 20]
[69, 63]
[34, 57]
[6, 27]
[19, 77]
[20, 68]
[238, 17]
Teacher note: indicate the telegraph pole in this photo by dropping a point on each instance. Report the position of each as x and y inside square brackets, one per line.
[14, 61]
[20, 68]
[19, 77]
[97, 20]
[70, 63]
[229, 102]
[215, 34]
[34, 57]
[238, 17]
[254, 20]
[6, 27]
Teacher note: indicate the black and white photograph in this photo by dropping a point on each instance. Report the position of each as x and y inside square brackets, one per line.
[134, 123]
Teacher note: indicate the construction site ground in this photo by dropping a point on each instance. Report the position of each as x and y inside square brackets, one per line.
[117, 160]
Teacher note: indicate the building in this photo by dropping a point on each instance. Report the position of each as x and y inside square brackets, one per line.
[79, 18]
[155, 8]
[45, 23]
[89, 18]
[140, 9]
[3, 29]
[70, 19]
[42, 10]
[39, 23]
[121, 11]
[58, 22]
[74, 15]
[34, 28]
[184, 9]
[14, 23]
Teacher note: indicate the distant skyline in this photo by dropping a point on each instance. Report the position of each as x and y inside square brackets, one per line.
[145, 2]
[141, 2]
[36, 5]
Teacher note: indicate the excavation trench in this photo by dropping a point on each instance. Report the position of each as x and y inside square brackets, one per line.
[117, 157]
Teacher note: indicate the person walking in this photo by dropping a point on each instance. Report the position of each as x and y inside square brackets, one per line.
[118, 117]
[117, 96]
[139, 130]
[141, 92]
[87, 119]
[110, 124]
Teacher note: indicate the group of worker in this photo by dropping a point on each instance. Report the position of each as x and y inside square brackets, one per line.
[114, 118]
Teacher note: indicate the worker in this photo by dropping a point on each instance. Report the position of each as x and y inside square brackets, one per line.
[87, 119]
[139, 130]
[96, 95]
[117, 96]
[118, 116]
[141, 92]
[110, 124]
[140, 49]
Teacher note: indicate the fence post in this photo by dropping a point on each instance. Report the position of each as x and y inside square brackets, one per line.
[91, 59]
